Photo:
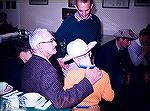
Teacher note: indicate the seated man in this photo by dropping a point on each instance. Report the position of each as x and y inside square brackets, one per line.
[80, 52]
[40, 76]
[14, 65]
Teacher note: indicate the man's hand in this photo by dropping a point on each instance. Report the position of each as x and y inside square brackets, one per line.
[62, 64]
[93, 75]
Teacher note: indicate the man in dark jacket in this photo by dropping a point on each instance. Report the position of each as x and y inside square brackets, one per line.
[40, 76]
[113, 57]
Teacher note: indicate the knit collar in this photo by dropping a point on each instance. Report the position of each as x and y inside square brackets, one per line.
[77, 16]
[138, 42]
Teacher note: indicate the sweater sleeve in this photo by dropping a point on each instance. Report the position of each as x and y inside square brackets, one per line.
[108, 93]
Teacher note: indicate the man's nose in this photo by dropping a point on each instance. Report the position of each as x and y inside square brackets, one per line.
[54, 43]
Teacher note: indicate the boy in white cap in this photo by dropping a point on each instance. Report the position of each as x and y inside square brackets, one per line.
[80, 52]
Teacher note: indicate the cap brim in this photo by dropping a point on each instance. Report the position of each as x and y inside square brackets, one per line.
[69, 57]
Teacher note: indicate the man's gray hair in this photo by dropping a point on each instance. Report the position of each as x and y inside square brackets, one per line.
[36, 37]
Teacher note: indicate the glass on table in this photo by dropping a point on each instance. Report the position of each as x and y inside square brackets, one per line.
[5, 105]
[10, 104]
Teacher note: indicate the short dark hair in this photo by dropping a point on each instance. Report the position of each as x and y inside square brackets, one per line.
[143, 32]
[22, 45]
[84, 1]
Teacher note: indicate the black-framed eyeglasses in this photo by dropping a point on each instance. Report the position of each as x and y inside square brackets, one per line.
[51, 41]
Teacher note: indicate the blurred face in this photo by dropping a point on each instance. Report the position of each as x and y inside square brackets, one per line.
[145, 40]
[48, 48]
[84, 9]
[124, 43]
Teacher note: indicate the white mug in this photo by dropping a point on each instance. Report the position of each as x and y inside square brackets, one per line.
[14, 102]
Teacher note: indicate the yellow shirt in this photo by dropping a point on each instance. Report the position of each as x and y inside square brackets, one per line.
[102, 88]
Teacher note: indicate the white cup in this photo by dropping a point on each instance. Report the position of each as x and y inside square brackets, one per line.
[5, 105]
[14, 102]
[3, 86]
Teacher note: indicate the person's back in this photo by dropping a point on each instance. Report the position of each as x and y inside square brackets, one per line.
[13, 65]
[12, 72]
[79, 51]
[102, 88]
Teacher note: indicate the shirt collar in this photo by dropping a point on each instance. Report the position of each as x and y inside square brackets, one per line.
[117, 46]
[77, 16]
[138, 42]
[42, 57]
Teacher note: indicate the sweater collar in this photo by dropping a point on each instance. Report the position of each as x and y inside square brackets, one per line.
[77, 16]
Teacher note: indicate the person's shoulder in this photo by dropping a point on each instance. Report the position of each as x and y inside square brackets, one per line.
[105, 73]
[76, 71]
[107, 47]
[108, 44]
[70, 18]
[104, 77]
[75, 74]
[35, 60]
[95, 17]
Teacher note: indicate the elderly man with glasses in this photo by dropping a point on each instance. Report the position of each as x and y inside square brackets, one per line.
[40, 76]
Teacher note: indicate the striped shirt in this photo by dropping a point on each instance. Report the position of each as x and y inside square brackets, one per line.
[136, 52]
